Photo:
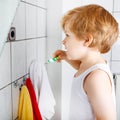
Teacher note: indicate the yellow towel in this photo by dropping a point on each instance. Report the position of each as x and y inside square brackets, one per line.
[25, 111]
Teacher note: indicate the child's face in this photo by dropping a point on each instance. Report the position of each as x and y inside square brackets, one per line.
[75, 48]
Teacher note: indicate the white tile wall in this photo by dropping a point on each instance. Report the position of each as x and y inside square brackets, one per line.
[18, 51]
[19, 22]
[31, 21]
[41, 3]
[5, 66]
[41, 49]
[115, 66]
[118, 96]
[30, 24]
[41, 20]
[5, 104]
[115, 58]
[116, 47]
[34, 2]
[31, 46]
[116, 5]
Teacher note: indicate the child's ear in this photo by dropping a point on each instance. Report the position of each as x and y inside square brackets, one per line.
[88, 40]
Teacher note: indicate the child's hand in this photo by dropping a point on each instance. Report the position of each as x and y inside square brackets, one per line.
[61, 54]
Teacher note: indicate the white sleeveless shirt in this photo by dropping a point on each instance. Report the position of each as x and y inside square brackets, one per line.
[80, 108]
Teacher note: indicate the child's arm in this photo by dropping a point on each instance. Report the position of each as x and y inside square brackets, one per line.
[98, 88]
[62, 56]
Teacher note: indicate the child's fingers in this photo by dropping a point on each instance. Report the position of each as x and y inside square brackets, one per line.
[60, 54]
[58, 61]
[56, 54]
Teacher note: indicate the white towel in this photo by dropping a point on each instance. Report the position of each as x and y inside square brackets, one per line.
[43, 90]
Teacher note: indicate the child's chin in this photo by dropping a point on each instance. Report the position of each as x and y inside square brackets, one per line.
[69, 57]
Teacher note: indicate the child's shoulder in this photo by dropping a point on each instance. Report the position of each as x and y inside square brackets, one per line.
[97, 80]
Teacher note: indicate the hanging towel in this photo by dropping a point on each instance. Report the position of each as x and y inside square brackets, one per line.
[44, 95]
[25, 111]
[36, 112]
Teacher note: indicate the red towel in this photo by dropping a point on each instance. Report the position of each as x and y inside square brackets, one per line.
[36, 111]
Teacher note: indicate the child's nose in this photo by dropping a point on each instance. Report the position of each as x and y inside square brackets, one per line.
[63, 42]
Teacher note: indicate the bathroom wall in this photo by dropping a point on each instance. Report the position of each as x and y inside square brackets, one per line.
[38, 35]
[118, 95]
[30, 44]
[54, 36]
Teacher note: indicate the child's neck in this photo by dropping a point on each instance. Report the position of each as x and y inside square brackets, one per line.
[88, 62]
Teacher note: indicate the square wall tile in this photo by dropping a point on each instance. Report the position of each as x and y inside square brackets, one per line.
[41, 50]
[5, 67]
[41, 22]
[118, 96]
[31, 51]
[34, 2]
[116, 50]
[115, 67]
[116, 5]
[15, 98]
[31, 21]
[5, 103]
[18, 59]
[41, 3]
[116, 46]
[19, 22]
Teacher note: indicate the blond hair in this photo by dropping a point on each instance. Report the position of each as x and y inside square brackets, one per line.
[95, 20]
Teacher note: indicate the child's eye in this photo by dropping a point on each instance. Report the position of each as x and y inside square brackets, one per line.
[67, 35]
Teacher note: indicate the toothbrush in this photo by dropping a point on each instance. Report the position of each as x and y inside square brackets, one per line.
[53, 59]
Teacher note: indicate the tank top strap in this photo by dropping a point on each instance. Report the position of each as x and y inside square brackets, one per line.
[103, 67]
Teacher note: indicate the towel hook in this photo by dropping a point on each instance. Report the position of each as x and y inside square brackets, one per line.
[20, 84]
